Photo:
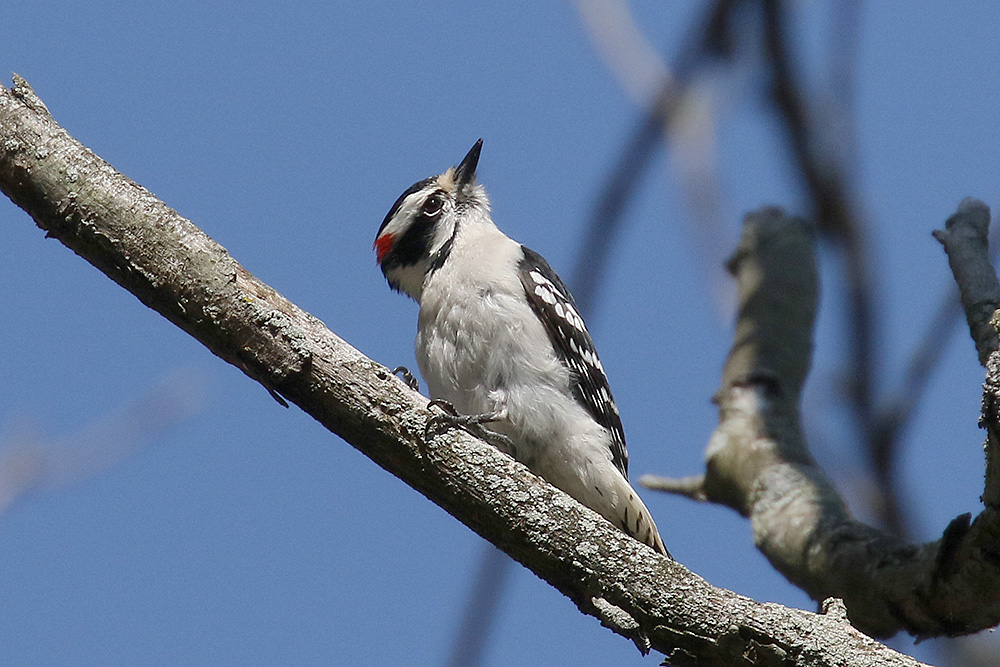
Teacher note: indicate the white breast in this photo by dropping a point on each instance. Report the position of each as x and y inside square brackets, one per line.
[470, 338]
[481, 347]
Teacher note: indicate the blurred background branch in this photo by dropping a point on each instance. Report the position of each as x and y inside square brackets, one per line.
[31, 462]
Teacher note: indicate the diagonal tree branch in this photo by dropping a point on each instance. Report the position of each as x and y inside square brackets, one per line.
[175, 269]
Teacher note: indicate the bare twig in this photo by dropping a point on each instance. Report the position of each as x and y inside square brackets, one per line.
[965, 239]
[692, 487]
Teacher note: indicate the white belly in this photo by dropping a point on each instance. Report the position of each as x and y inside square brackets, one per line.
[485, 368]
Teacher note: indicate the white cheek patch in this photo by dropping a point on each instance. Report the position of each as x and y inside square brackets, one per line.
[406, 214]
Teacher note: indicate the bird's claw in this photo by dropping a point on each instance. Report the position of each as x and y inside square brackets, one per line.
[473, 424]
[406, 376]
[445, 406]
[452, 416]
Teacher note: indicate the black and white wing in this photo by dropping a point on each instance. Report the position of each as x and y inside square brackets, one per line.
[554, 306]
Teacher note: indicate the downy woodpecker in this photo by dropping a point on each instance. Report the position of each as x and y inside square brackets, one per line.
[500, 339]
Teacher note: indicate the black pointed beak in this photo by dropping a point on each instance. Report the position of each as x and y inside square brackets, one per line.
[465, 172]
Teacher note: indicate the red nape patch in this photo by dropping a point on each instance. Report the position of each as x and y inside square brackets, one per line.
[382, 246]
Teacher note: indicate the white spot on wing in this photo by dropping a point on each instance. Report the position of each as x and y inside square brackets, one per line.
[545, 294]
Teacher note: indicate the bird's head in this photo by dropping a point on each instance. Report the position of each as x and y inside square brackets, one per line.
[417, 233]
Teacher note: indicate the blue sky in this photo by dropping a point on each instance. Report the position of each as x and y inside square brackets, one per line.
[243, 533]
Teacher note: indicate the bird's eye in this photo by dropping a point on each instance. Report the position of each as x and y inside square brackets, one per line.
[432, 206]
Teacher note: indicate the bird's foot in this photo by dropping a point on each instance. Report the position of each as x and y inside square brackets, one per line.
[474, 424]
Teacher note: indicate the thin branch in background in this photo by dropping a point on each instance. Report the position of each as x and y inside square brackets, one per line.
[882, 442]
[630, 56]
[891, 414]
[694, 163]
[690, 123]
[690, 132]
[841, 79]
[837, 219]
[481, 608]
[708, 39]
[32, 464]
[894, 413]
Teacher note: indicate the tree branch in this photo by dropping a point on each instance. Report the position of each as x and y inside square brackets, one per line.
[175, 269]
[965, 239]
[758, 463]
